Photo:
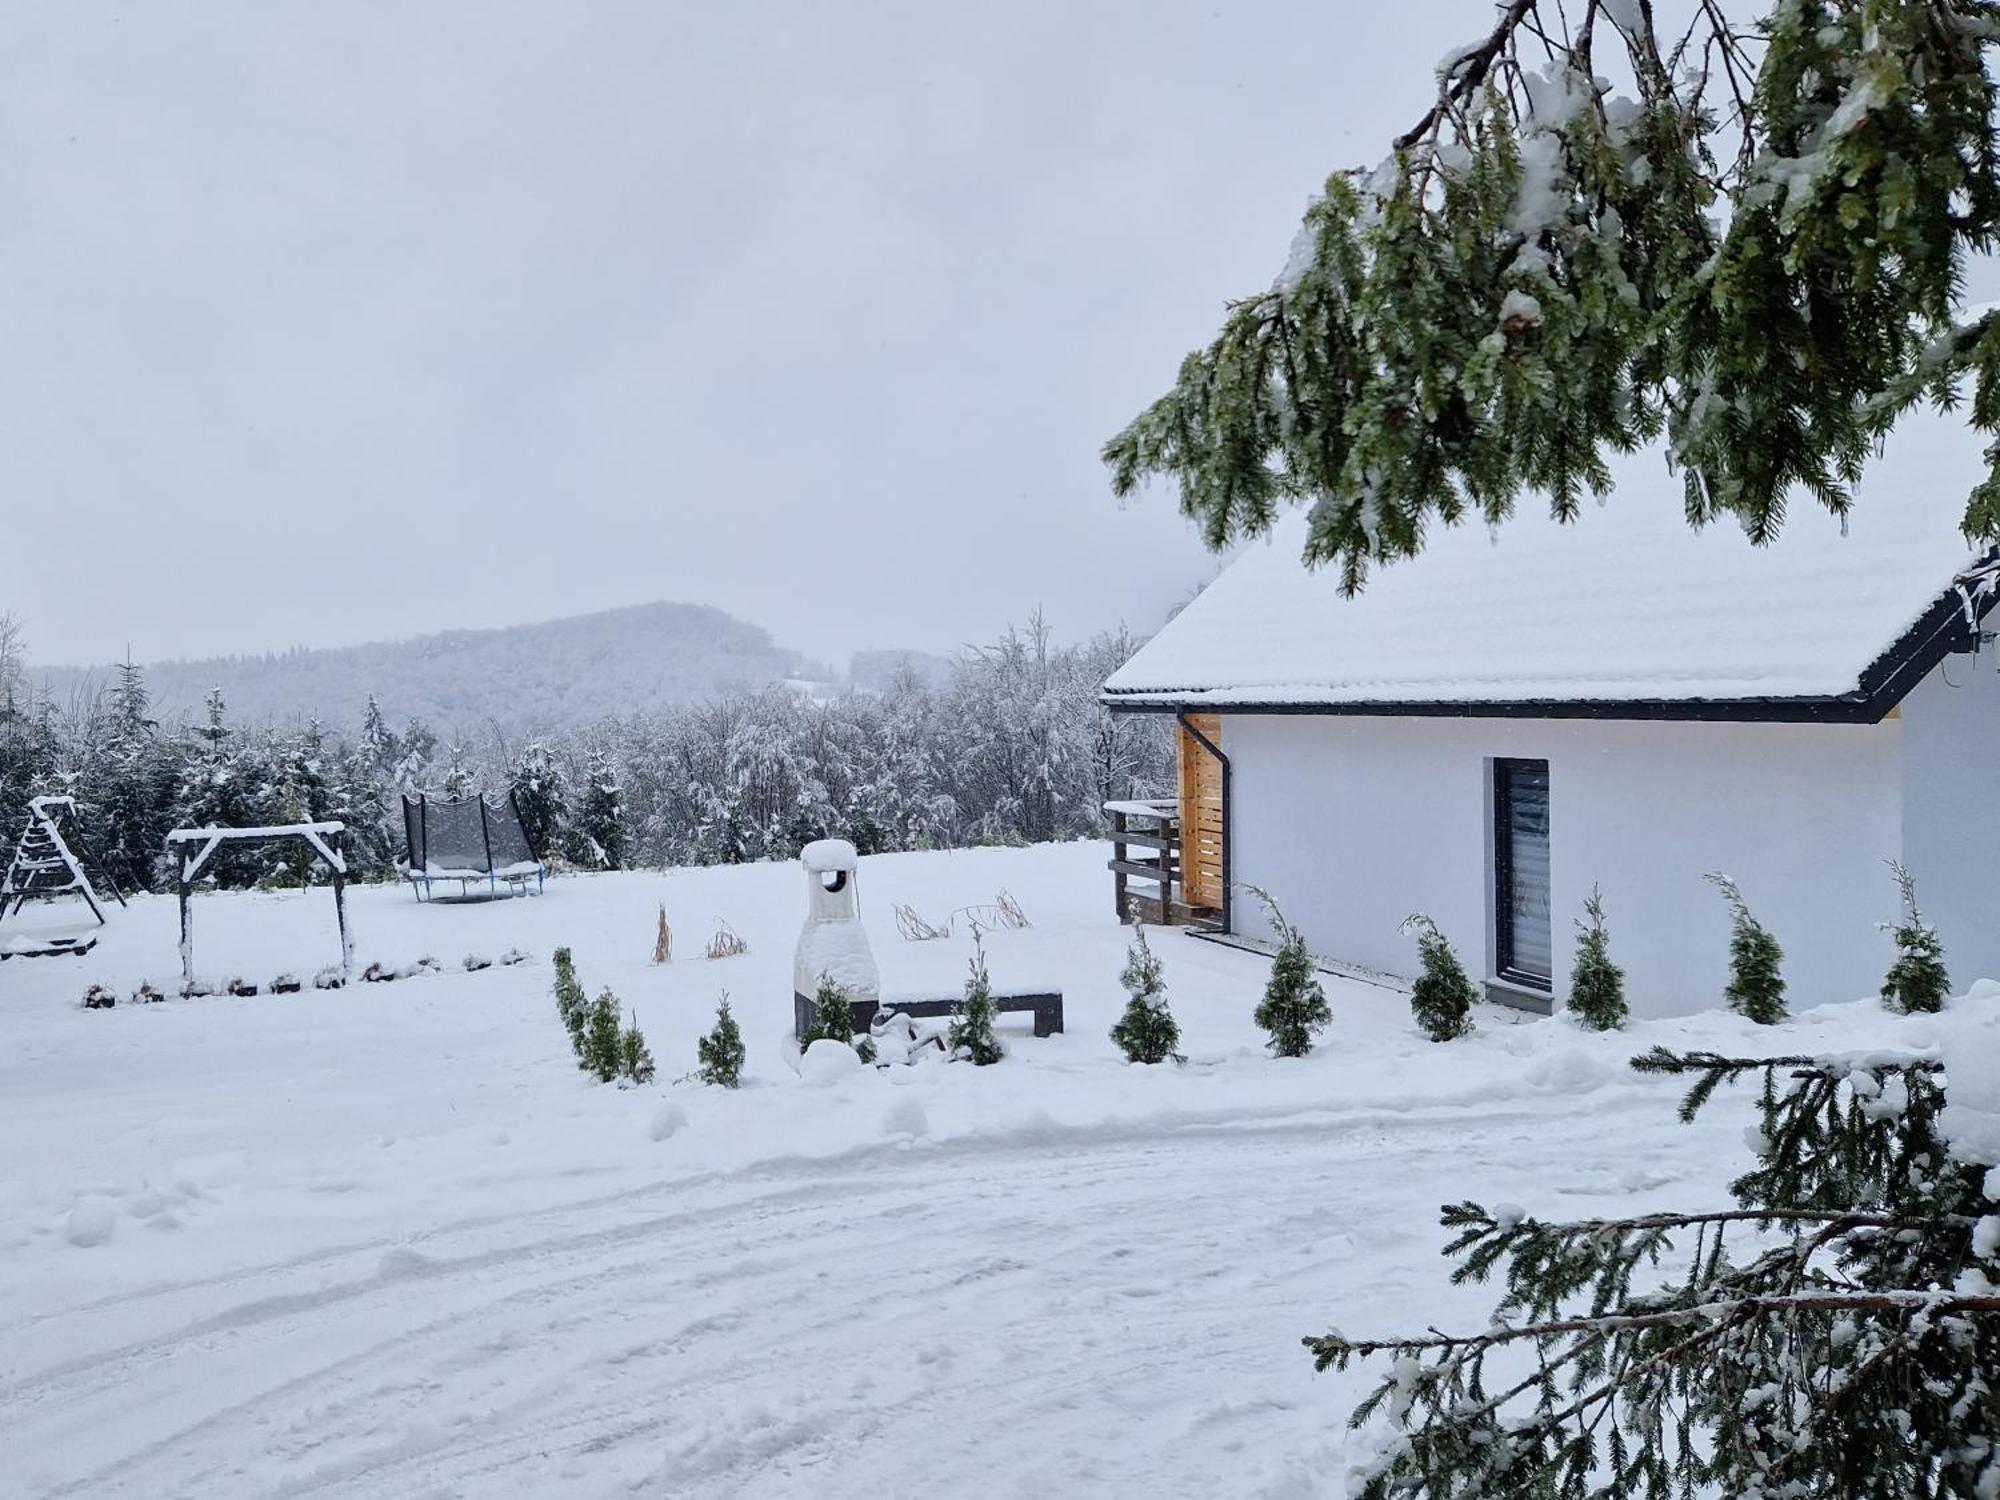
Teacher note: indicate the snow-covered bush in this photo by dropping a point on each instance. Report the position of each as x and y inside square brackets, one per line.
[1442, 998]
[971, 1036]
[1294, 1006]
[1917, 980]
[571, 1003]
[833, 1015]
[1146, 1032]
[719, 1055]
[1756, 987]
[601, 1038]
[635, 1058]
[1596, 984]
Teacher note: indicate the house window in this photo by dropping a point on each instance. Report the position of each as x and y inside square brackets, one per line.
[1523, 951]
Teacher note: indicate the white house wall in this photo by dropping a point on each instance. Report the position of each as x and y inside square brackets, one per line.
[1353, 823]
[1951, 730]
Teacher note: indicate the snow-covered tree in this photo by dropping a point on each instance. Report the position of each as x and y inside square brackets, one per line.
[572, 1005]
[541, 794]
[635, 1058]
[1146, 1032]
[720, 1053]
[1596, 984]
[1442, 997]
[833, 1017]
[1294, 1007]
[1917, 980]
[971, 1034]
[599, 841]
[602, 1038]
[1756, 987]
[134, 783]
[1746, 229]
[1835, 1335]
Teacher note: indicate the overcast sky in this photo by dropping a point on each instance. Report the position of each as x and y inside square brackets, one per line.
[329, 323]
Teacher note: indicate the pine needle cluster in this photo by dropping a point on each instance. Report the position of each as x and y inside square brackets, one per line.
[1146, 1032]
[1596, 984]
[1442, 998]
[720, 1054]
[1917, 980]
[1756, 987]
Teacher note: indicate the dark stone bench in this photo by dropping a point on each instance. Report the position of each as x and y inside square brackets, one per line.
[1046, 1006]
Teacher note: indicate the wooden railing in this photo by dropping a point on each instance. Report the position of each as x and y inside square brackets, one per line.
[1146, 851]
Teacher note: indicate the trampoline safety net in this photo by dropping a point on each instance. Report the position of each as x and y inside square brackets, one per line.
[464, 836]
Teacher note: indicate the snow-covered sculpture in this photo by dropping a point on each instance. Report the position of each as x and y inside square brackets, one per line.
[833, 943]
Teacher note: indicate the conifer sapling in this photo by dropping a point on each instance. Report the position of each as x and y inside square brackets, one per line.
[571, 1004]
[833, 1015]
[1917, 980]
[719, 1055]
[971, 1036]
[1596, 984]
[1442, 998]
[1294, 1004]
[635, 1058]
[1756, 988]
[1146, 1033]
[601, 1053]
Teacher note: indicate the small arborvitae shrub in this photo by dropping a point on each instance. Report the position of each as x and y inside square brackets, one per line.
[1756, 988]
[833, 1015]
[1294, 1004]
[571, 1003]
[1146, 1033]
[601, 1038]
[1596, 984]
[1442, 998]
[635, 1058]
[719, 1055]
[1917, 980]
[971, 1036]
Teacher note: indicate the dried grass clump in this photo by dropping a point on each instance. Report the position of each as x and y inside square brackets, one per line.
[1009, 910]
[663, 940]
[916, 930]
[725, 943]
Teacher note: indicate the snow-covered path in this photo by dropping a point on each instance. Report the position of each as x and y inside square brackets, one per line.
[387, 1241]
[1000, 1316]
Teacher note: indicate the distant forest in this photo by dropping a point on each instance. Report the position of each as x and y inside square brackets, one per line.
[522, 679]
[1003, 744]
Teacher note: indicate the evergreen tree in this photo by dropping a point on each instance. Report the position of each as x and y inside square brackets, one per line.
[541, 793]
[571, 1003]
[223, 785]
[1596, 984]
[600, 833]
[602, 1036]
[1762, 258]
[136, 783]
[1294, 1006]
[1146, 1032]
[1756, 988]
[833, 1020]
[720, 1053]
[1843, 1348]
[1917, 980]
[1442, 998]
[635, 1059]
[971, 1034]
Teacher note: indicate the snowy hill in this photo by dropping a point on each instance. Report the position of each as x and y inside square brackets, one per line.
[544, 676]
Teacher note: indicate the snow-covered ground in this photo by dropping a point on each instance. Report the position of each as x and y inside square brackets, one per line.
[388, 1241]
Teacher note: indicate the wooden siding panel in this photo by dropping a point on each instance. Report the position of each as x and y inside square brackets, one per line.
[1201, 814]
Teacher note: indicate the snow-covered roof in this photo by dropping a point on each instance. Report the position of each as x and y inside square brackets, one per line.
[1627, 610]
[822, 856]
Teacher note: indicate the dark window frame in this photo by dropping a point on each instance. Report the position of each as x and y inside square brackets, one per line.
[1504, 769]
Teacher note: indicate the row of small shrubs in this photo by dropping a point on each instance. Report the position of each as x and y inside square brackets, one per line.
[969, 1038]
[1294, 1008]
[606, 1045]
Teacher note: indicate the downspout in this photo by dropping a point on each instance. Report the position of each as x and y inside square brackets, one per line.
[1228, 821]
